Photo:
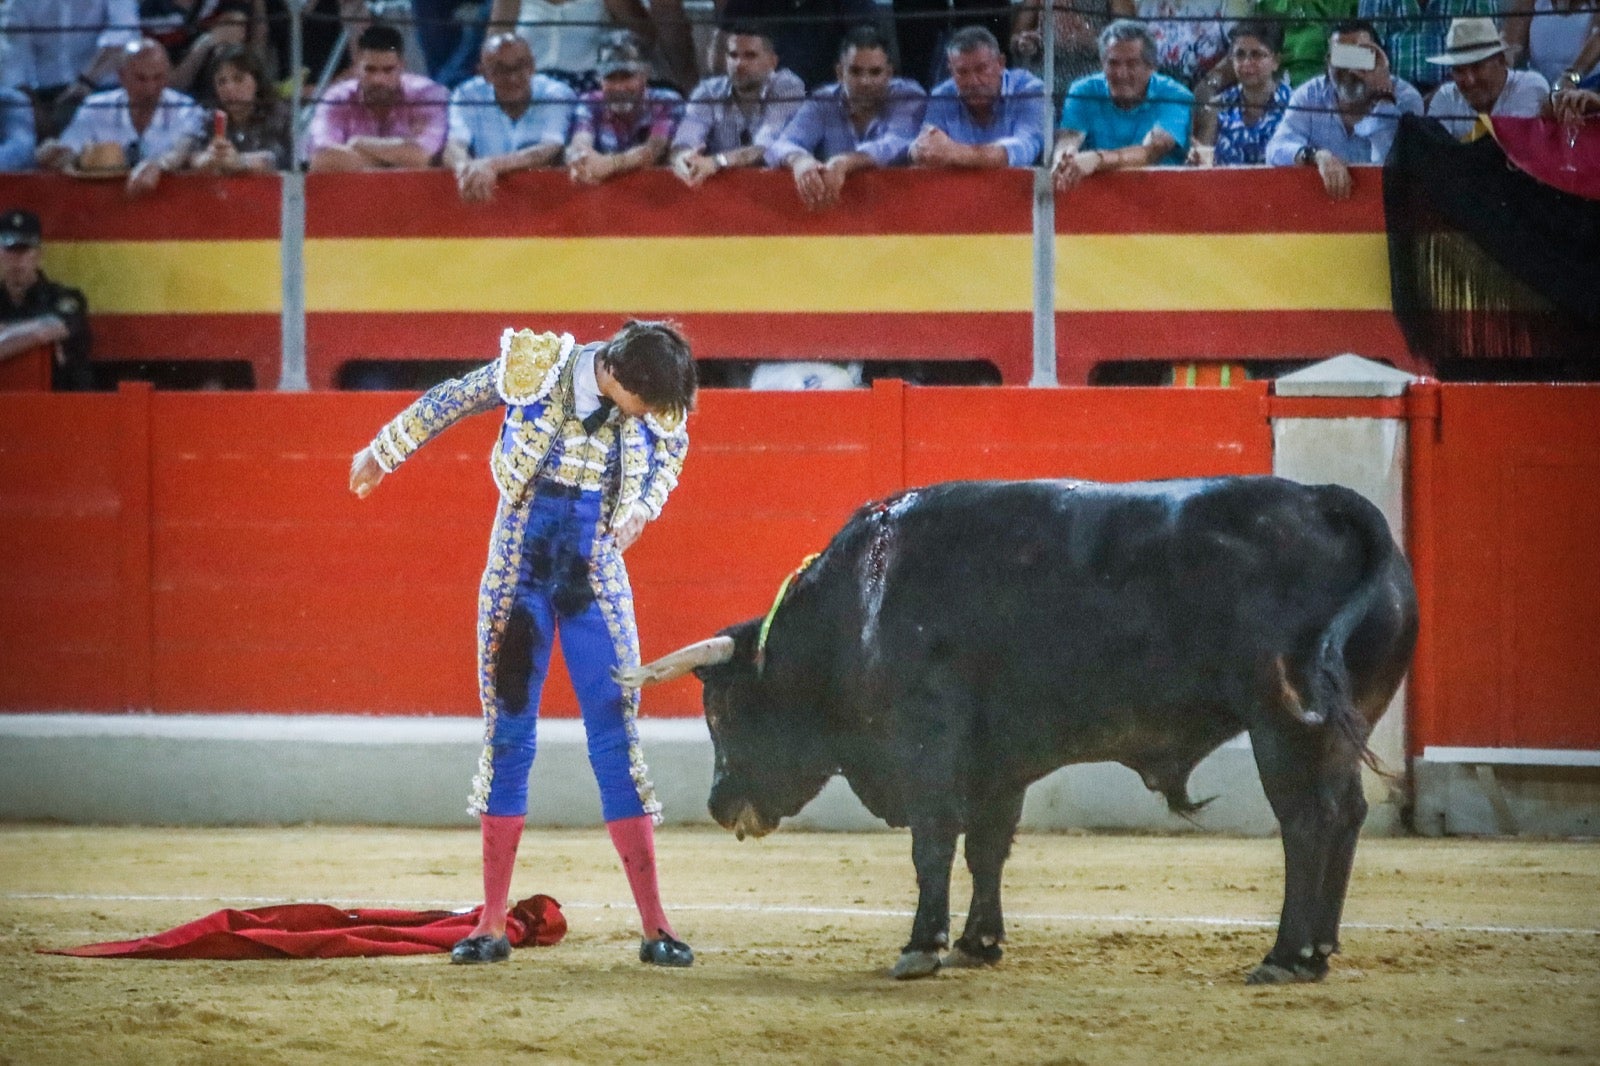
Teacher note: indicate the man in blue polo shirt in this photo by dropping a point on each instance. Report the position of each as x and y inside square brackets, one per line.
[508, 118]
[984, 115]
[1124, 117]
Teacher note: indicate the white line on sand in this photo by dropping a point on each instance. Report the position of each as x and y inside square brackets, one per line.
[843, 912]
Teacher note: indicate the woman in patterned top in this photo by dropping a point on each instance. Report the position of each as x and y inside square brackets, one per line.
[256, 134]
[1241, 119]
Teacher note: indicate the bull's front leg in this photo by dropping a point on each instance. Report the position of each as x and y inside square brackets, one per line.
[992, 824]
[933, 849]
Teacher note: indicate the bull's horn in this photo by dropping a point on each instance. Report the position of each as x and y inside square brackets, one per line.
[676, 664]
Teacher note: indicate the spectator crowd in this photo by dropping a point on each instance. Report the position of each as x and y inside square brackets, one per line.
[136, 89]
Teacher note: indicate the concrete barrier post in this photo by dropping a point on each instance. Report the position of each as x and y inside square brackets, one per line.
[1359, 442]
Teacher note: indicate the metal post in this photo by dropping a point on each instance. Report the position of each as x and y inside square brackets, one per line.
[1044, 218]
[292, 228]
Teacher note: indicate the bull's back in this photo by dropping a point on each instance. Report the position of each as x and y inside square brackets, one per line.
[1100, 604]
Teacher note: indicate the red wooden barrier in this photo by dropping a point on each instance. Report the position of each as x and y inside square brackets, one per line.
[1514, 564]
[201, 553]
[27, 371]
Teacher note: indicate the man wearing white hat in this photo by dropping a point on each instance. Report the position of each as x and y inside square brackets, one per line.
[1481, 82]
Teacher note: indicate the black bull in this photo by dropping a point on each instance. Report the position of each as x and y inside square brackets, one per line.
[956, 643]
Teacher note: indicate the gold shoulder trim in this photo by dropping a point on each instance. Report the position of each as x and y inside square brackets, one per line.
[666, 423]
[529, 364]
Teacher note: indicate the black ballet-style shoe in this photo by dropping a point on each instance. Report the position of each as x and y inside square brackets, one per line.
[485, 948]
[665, 951]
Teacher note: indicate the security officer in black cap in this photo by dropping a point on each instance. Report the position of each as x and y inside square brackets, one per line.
[35, 310]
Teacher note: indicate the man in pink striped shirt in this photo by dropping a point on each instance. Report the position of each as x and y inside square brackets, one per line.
[384, 118]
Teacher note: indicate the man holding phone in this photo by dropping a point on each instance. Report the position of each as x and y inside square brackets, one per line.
[1348, 115]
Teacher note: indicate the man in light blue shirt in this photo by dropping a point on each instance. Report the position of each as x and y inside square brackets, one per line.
[984, 115]
[508, 118]
[866, 119]
[1124, 117]
[1348, 115]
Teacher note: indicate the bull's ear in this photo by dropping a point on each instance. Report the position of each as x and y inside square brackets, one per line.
[743, 660]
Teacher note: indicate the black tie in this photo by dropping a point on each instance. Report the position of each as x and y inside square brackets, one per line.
[598, 417]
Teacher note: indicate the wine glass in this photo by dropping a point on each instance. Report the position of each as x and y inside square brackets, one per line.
[1569, 158]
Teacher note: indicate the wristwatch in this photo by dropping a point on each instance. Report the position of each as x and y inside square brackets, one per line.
[1306, 156]
[721, 160]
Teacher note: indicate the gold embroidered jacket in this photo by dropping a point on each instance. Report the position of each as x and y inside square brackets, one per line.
[533, 378]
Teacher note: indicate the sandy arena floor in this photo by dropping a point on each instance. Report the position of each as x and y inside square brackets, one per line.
[1122, 949]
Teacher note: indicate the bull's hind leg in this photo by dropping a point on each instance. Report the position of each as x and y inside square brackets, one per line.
[991, 826]
[1313, 806]
[1351, 806]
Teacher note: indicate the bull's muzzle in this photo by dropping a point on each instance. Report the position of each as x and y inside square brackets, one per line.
[747, 822]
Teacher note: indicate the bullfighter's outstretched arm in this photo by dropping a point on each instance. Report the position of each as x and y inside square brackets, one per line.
[433, 412]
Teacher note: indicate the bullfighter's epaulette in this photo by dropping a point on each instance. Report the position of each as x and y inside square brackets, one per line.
[529, 364]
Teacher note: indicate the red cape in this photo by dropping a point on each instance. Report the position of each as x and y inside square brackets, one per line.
[320, 931]
[1539, 147]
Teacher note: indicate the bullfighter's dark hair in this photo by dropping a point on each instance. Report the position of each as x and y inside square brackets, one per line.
[381, 37]
[652, 361]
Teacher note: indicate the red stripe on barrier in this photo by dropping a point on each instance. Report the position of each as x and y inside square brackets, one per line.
[1264, 200]
[186, 207]
[654, 203]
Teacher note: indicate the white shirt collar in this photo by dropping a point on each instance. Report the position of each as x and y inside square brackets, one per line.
[585, 387]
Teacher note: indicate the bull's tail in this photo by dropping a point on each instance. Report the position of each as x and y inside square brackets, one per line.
[1331, 700]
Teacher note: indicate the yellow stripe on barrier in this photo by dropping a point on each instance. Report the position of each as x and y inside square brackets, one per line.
[168, 277]
[1223, 272]
[794, 275]
[682, 274]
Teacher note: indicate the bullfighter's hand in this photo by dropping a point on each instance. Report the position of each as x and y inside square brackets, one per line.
[627, 531]
[365, 473]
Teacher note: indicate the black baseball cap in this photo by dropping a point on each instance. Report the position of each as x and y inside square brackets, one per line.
[19, 229]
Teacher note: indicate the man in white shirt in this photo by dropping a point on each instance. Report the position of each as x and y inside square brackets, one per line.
[154, 127]
[1481, 81]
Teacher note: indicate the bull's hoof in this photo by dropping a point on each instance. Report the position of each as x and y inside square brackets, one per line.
[915, 964]
[966, 955]
[1270, 973]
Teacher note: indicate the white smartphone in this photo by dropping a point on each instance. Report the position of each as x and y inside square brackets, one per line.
[1352, 57]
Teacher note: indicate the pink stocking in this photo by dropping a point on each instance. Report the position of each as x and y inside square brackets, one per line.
[635, 841]
[501, 832]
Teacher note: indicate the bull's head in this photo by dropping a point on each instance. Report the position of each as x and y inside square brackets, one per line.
[767, 763]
